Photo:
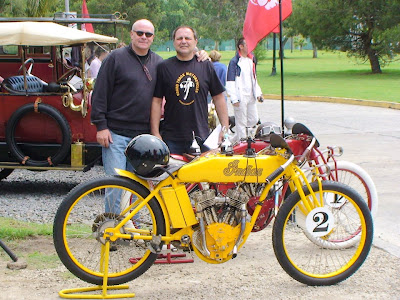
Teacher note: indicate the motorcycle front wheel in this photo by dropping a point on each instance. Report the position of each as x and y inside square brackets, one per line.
[82, 218]
[340, 215]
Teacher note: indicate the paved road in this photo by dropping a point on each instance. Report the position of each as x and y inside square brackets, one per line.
[370, 137]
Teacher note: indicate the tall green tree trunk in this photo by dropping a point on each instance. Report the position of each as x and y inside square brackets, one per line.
[371, 53]
[314, 51]
[216, 45]
[374, 61]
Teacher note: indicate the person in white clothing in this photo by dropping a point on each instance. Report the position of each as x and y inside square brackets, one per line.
[243, 90]
[100, 54]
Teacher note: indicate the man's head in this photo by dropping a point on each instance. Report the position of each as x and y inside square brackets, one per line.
[242, 47]
[142, 36]
[185, 41]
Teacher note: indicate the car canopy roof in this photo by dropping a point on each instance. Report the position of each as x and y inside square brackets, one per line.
[46, 34]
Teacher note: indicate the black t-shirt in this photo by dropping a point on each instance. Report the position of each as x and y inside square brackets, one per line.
[185, 85]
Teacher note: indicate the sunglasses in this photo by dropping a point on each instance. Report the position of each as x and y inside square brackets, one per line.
[140, 33]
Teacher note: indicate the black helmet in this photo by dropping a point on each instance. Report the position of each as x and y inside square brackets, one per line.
[265, 129]
[145, 153]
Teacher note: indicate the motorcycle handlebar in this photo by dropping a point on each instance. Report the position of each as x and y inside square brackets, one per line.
[278, 171]
[307, 151]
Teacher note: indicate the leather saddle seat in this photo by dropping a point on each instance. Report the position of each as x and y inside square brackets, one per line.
[15, 84]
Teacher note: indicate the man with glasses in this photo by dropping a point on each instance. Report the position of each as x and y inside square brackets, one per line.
[122, 98]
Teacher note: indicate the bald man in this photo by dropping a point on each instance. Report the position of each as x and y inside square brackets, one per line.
[122, 98]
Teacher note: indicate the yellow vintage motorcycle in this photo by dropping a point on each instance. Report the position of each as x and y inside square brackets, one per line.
[117, 226]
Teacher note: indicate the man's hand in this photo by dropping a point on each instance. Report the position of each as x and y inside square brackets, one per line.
[104, 138]
[260, 99]
[202, 55]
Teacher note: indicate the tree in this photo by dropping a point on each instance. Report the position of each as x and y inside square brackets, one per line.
[300, 41]
[134, 10]
[216, 19]
[175, 13]
[11, 8]
[359, 27]
[291, 30]
[40, 8]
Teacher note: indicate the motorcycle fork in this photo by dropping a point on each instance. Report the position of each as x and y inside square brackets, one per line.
[299, 182]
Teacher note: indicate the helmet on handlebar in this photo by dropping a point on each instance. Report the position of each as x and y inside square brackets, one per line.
[147, 154]
[265, 129]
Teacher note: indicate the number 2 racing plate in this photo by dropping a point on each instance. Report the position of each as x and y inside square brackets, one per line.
[320, 221]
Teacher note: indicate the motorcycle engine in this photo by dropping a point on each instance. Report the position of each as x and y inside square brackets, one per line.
[222, 218]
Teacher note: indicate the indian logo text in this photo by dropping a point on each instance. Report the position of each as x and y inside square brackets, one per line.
[234, 170]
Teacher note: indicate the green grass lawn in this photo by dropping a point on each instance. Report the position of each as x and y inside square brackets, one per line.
[331, 74]
[14, 229]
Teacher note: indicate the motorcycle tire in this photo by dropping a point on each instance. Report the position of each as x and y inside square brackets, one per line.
[353, 175]
[79, 226]
[339, 214]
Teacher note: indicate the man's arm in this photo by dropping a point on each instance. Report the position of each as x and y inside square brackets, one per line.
[155, 116]
[101, 93]
[222, 112]
[231, 83]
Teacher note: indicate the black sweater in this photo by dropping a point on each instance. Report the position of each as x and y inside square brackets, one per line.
[123, 93]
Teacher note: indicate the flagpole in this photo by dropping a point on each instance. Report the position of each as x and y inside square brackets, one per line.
[281, 55]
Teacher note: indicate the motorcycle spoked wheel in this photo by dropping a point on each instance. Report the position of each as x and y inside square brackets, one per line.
[356, 177]
[50, 111]
[81, 218]
[313, 263]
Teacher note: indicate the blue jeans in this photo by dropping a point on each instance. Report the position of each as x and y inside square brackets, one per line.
[114, 157]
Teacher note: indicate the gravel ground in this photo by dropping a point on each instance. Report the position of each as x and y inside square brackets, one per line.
[35, 196]
[254, 274]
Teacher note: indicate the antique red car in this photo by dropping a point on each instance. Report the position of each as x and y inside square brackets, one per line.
[44, 100]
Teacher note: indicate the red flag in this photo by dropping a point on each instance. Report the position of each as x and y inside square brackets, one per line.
[85, 14]
[276, 30]
[262, 17]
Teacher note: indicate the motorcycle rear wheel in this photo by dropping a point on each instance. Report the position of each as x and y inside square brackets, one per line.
[81, 219]
[356, 177]
[313, 263]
